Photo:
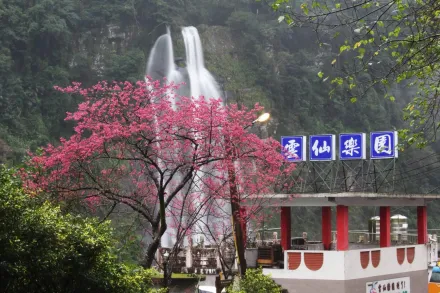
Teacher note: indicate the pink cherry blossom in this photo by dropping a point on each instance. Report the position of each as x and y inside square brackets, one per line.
[162, 155]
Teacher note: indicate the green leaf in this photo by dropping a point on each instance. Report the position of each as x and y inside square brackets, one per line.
[305, 8]
[344, 48]
[316, 4]
[320, 74]
[353, 99]
[338, 81]
[367, 5]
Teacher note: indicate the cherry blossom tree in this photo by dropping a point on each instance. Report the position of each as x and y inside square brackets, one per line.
[160, 154]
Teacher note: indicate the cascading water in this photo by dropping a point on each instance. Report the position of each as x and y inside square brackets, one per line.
[202, 83]
[161, 63]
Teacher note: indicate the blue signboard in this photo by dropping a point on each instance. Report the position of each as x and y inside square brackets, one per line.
[294, 148]
[383, 145]
[322, 147]
[352, 146]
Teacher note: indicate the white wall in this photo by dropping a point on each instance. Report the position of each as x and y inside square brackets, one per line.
[346, 265]
[332, 267]
[388, 262]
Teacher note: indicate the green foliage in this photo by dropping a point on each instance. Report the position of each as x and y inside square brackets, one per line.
[240, 79]
[256, 56]
[54, 42]
[125, 67]
[256, 282]
[409, 41]
[46, 251]
[127, 232]
[253, 56]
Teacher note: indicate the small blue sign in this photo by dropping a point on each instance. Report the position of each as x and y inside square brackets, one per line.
[322, 147]
[383, 145]
[352, 146]
[294, 148]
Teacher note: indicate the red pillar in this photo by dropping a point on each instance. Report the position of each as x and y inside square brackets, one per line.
[342, 227]
[385, 226]
[326, 224]
[422, 225]
[285, 228]
[243, 224]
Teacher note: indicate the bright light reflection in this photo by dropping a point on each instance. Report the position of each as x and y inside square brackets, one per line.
[263, 117]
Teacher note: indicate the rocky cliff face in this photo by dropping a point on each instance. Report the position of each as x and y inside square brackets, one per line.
[99, 45]
[217, 40]
[99, 48]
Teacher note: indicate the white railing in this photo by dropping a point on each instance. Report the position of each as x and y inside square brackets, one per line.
[360, 237]
[364, 237]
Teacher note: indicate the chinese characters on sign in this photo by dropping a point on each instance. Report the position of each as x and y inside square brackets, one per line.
[294, 148]
[322, 147]
[401, 285]
[383, 145]
[352, 146]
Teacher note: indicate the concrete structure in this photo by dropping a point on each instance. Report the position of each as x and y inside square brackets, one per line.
[343, 268]
[349, 271]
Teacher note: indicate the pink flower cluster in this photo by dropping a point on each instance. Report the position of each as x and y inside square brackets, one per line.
[138, 144]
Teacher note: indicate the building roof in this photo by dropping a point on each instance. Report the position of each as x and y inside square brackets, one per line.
[341, 198]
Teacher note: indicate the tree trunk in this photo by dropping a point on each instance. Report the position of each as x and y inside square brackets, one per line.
[158, 231]
[153, 246]
[235, 209]
[151, 251]
[239, 243]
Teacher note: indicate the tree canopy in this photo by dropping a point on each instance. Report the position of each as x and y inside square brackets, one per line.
[164, 156]
[253, 56]
[44, 250]
[395, 41]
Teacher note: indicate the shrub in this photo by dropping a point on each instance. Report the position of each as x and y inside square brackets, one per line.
[255, 282]
[43, 250]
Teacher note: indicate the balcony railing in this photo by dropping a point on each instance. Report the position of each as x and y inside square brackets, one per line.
[364, 237]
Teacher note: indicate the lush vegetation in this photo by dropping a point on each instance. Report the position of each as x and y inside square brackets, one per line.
[254, 57]
[112, 158]
[254, 281]
[74, 41]
[46, 251]
[405, 33]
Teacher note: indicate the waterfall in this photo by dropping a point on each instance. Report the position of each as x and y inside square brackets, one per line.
[161, 61]
[161, 64]
[200, 82]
